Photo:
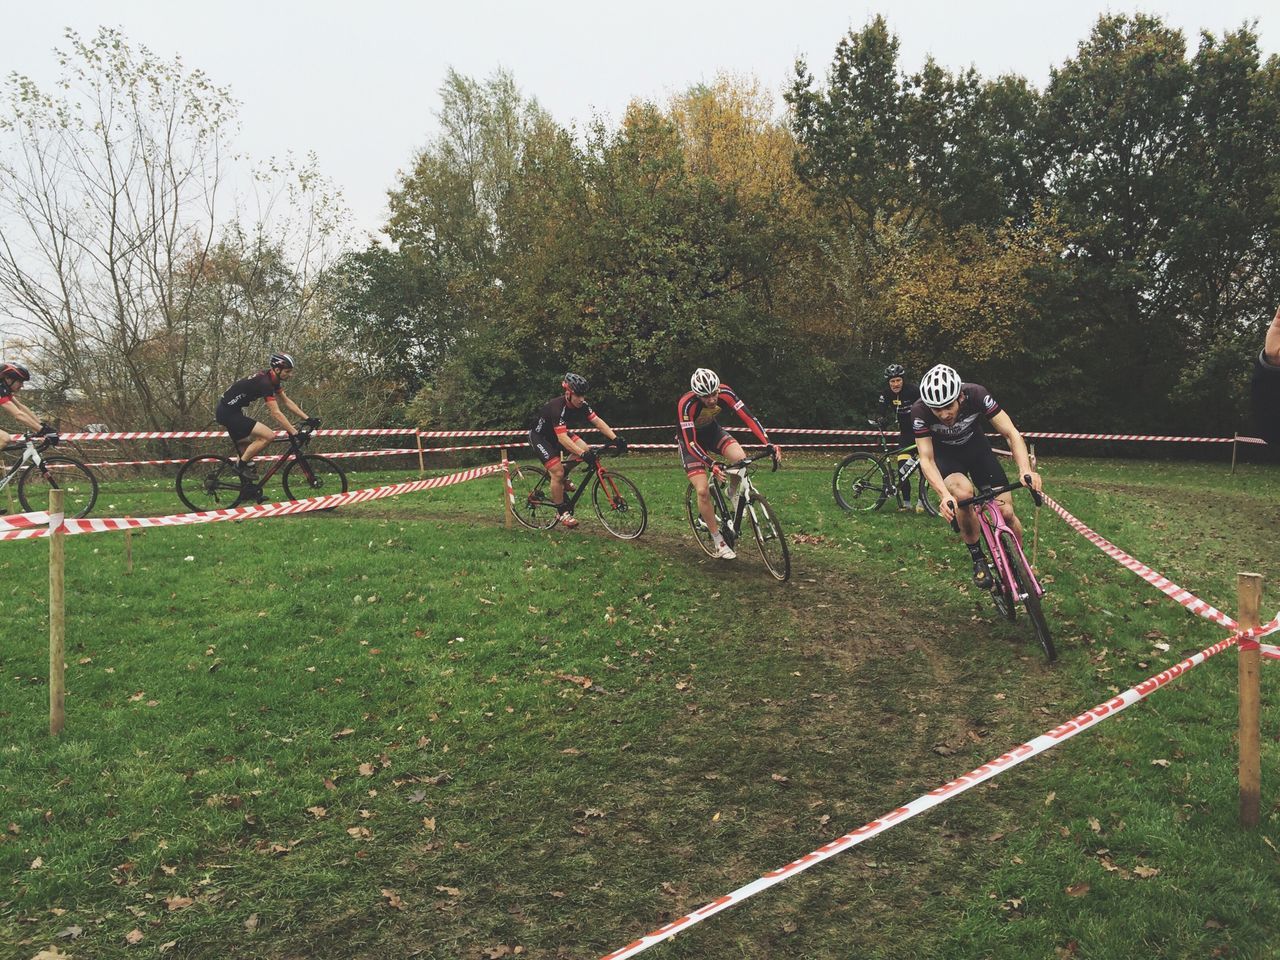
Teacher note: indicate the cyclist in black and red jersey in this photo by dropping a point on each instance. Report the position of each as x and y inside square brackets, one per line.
[896, 401]
[12, 377]
[700, 431]
[947, 422]
[1265, 388]
[249, 435]
[552, 434]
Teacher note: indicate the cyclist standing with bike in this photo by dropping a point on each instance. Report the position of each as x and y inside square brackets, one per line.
[553, 432]
[696, 413]
[248, 434]
[897, 401]
[947, 422]
[1265, 387]
[12, 377]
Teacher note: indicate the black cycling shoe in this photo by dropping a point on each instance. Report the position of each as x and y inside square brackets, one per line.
[982, 578]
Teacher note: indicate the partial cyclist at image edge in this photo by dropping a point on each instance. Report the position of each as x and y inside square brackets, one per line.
[553, 433]
[1265, 387]
[249, 435]
[896, 401]
[956, 458]
[12, 378]
[696, 413]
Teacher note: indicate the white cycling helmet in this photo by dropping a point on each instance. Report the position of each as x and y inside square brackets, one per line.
[704, 382]
[939, 386]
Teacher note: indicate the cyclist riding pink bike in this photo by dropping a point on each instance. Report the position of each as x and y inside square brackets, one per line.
[953, 449]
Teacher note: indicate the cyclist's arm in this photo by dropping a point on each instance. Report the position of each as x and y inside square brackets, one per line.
[1271, 347]
[22, 413]
[276, 412]
[1017, 446]
[746, 416]
[929, 469]
[604, 428]
[288, 402]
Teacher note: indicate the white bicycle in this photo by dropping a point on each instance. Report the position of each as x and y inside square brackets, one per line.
[748, 505]
[37, 475]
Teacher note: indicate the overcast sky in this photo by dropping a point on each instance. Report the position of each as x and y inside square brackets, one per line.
[356, 82]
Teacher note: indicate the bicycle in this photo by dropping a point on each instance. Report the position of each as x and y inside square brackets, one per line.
[37, 474]
[865, 481]
[748, 502]
[213, 482]
[616, 500]
[1014, 580]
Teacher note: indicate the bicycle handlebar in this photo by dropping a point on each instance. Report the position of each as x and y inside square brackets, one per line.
[990, 493]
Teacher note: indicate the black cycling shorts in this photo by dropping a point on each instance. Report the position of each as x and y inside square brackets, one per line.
[548, 449]
[712, 438]
[975, 458]
[237, 422]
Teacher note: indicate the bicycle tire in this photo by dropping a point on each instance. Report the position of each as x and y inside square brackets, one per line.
[776, 557]
[701, 532]
[532, 506]
[926, 494]
[1031, 599]
[861, 482]
[317, 476]
[622, 511]
[209, 482]
[79, 486]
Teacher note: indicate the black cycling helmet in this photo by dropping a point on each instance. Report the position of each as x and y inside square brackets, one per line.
[282, 360]
[576, 383]
[15, 370]
[894, 370]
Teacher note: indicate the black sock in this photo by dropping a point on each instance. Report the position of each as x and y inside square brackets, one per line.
[975, 551]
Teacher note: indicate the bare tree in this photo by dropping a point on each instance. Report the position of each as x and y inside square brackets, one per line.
[145, 282]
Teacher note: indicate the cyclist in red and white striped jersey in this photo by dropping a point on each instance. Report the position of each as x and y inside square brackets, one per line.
[700, 431]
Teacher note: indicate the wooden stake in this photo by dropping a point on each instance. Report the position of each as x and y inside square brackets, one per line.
[57, 616]
[1249, 586]
[507, 494]
[422, 465]
[1235, 442]
[128, 552]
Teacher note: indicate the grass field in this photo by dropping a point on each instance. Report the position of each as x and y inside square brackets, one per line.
[400, 730]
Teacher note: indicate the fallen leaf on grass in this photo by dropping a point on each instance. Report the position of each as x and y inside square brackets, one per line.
[1160, 763]
[37, 863]
[70, 933]
[137, 696]
[501, 950]
[53, 953]
[1050, 798]
[393, 899]
[252, 923]
[359, 833]
[429, 823]
[178, 903]
[168, 945]
[790, 927]
[1212, 924]
[1145, 873]
[449, 891]
[1094, 825]
[779, 778]
[1077, 889]
[348, 731]
[317, 812]
[366, 770]
[134, 937]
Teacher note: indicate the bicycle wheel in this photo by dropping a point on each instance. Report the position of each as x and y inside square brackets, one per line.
[926, 495]
[619, 505]
[701, 532]
[312, 476]
[769, 537]
[861, 482]
[531, 487]
[209, 482]
[1031, 599]
[73, 478]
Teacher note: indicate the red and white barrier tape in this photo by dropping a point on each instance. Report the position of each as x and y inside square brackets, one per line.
[1269, 651]
[1161, 583]
[257, 511]
[24, 521]
[941, 794]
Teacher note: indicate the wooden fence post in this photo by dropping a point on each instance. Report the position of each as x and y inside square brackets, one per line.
[1235, 442]
[1249, 587]
[422, 466]
[128, 552]
[57, 615]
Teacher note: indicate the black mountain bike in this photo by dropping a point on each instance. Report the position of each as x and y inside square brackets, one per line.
[866, 481]
[616, 500]
[37, 475]
[212, 482]
[748, 504]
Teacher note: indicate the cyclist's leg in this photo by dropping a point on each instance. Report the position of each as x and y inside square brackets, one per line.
[258, 438]
[549, 452]
[906, 437]
[987, 471]
[706, 509]
[718, 439]
[243, 430]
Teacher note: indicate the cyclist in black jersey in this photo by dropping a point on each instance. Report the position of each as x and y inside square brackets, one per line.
[1265, 389]
[552, 433]
[249, 435]
[896, 402]
[947, 422]
[12, 377]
